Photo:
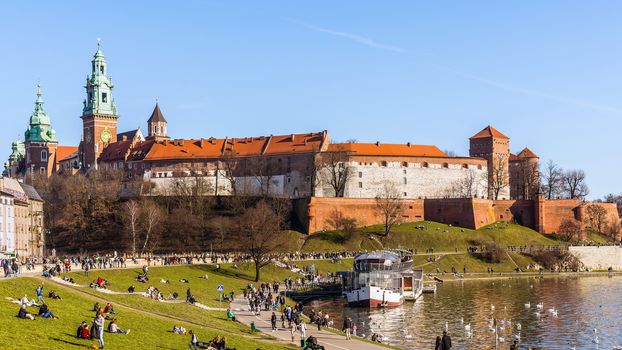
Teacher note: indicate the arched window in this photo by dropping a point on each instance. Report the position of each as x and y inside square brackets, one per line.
[44, 156]
[425, 165]
[383, 163]
[445, 165]
[101, 69]
[405, 164]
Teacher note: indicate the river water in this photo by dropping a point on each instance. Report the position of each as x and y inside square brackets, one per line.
[589, 314]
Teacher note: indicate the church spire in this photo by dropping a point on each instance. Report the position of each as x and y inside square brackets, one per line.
[99, 87]
[40, 128]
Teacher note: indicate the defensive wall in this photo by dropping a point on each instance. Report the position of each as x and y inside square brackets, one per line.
[599, 257]
[544, 216]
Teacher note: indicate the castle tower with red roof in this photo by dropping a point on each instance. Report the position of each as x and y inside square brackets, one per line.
[156, 125]
[493, 146]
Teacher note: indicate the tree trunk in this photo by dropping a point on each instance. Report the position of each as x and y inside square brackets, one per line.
[257, 271]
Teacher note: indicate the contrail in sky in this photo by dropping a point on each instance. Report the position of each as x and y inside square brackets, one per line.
[377, 45]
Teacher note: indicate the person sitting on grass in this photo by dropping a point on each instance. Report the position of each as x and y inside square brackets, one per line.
[218, 343]
[165, 281]
[45, 312]
[22, 313]
[83, 331]
[230, 315]
[52, 295]
[69, 279]
[131, 289]
[114, 328]
[96, 307]
[109, 309]
[183, 280]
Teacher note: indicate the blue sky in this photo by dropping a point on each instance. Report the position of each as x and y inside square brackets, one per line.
[547, 74]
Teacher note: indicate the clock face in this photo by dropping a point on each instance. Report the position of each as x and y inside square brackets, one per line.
[105, 136]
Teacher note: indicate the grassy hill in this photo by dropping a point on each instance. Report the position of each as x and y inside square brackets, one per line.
[425, 235]
[150, 321]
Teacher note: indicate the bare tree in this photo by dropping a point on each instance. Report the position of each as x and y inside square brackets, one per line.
[597, 217]
[231, 171]
[465, 187]
[551, 180]
[526, 180]
[131, 217]
[614, 198]
[499, 176]
[450, 153]
[263, 169]
[258, 228]
[574, 185]
[333, 169]
[571, 229]
[152, 217]
[389, 206]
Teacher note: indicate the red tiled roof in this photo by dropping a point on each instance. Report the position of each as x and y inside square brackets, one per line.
[248, 146]
[63, 152]
[382, 149]
[115, 151]
[513, 157]
[527, 153]
[489, 131]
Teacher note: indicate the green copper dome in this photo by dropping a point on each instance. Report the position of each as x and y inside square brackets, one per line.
[40, 129]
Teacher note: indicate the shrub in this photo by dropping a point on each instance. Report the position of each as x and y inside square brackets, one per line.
[493, 253]
[557, 260]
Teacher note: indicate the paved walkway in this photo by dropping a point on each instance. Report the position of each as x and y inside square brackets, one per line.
[329, 340]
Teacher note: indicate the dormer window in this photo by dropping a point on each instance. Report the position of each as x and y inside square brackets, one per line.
[104, 97]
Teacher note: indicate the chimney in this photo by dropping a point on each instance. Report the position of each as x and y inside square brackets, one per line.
[292, 137]
[377, 143]
[408, 144]
[201, 143]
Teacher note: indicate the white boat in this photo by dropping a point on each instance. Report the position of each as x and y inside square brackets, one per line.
[382, 279]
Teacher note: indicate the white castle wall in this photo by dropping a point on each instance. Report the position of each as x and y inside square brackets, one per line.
[414, 180]
[599, 257]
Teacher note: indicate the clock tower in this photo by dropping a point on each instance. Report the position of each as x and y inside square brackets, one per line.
[99, 115]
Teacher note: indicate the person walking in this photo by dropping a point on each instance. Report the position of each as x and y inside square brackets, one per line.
[193, 341]
[438, 345]
[273, 321]
[292, 330]
[446, 341]
[346, 327]
[303, 330]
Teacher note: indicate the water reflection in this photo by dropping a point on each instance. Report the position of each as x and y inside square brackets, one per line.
[581, 313]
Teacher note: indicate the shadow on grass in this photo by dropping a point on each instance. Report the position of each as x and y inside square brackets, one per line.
[82, 345]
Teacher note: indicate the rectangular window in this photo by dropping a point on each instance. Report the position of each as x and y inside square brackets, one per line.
[44, 156]
[360, 185]
[405, 181]
[104, 97]
[360, 174]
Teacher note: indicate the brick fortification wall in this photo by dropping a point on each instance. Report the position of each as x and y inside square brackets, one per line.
[321, 210]
[545, 216]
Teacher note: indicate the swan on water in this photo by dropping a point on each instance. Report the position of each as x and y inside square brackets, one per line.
[527, 305]
[467, 327]
[540, 306]
[519, 326]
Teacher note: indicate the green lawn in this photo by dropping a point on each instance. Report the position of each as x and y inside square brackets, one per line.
[148, 331]
[205, 291]
[440, 237]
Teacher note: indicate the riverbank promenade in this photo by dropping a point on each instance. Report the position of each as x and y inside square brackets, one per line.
[326, 338]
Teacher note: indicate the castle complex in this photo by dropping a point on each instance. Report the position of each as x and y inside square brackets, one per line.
[305, 167]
